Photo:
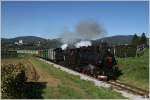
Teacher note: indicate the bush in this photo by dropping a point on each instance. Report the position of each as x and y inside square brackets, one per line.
[13, 79]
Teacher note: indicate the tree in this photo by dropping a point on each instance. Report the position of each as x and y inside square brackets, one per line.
[143, 39]
[135, 40]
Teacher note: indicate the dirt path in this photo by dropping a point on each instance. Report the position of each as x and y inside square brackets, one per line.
[31, 72]
[37, 74]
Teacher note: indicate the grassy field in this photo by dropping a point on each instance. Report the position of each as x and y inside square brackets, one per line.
[15, 60]
[135, 70]
[66, 86]
[25, 60]
[54, 83]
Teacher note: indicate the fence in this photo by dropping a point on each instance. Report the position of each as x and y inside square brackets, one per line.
[27, 51]
[8, 54]
[125, 51]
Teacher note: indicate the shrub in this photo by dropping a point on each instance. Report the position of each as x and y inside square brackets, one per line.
[13, 79]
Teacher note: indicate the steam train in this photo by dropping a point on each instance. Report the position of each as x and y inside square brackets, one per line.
[92, 60]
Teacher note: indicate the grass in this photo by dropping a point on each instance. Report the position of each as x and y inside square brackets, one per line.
[57, 84]
[65, 86]
[71, 86]
[15, 60]
[135, 70]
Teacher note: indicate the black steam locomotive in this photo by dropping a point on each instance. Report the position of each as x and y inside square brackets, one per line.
[92, 60]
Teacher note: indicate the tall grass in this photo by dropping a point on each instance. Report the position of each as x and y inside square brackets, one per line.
[135, 70]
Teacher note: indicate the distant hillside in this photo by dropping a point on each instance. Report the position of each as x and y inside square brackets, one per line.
[112, 39]
[30, 42]
[118, 39]
[55, 43]
[25, 39]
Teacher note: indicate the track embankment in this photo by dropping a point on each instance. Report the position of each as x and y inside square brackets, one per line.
[112, 85]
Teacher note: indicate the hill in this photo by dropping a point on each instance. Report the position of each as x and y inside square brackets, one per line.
[33, 41]
[30, 42]
[25, 39]
[112, 39]
[118, 39]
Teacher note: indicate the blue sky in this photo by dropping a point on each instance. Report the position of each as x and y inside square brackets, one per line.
[49, 19]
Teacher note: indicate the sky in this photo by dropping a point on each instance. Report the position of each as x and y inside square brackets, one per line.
[49, 19]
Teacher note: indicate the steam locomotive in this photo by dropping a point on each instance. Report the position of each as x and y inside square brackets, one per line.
[92, 60]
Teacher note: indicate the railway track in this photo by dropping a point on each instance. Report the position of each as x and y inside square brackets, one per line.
[131, 89]
[124, 87]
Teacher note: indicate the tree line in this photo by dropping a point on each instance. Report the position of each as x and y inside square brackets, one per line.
[138, 40]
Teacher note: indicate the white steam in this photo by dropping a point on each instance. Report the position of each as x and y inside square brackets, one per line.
[83, 43]
[68, 37]
[64, 46]
[84, 30]
[90, 29]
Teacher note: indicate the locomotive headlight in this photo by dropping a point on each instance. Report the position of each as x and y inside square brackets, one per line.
[109, 50]
[99, 61]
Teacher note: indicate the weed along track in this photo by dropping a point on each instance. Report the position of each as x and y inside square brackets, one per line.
[129, 88]
[131, 91]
